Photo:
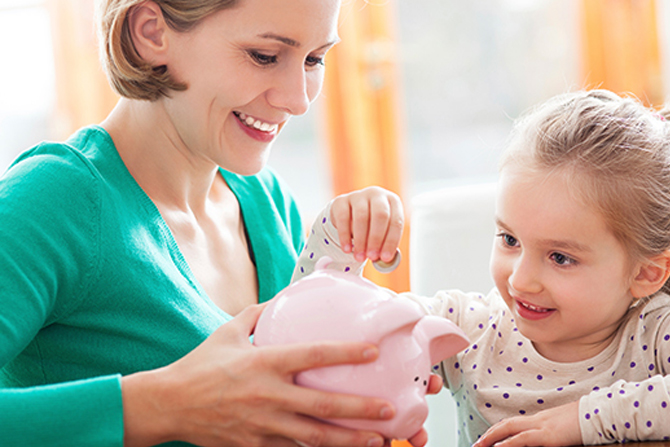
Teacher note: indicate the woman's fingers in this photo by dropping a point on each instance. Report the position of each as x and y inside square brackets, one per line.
[293, 358]
[308, 431]
[435, 384]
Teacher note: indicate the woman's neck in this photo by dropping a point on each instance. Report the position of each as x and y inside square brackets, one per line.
[167, 170]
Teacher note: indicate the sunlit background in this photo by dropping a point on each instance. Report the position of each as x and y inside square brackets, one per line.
[420, 93]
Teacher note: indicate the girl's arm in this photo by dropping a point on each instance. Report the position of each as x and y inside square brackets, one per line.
[627, 410]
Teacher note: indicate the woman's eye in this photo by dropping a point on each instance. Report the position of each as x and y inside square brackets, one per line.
[561, 259]
[508, 240]
[313, 61]
[262, 58]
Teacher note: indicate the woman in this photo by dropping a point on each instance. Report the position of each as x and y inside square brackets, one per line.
[124, 250]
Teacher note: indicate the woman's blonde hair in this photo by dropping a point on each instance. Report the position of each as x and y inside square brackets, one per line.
[617, 154]
[128, 74]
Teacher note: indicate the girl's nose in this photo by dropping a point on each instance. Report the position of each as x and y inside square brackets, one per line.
[525, 276]
[293, 91]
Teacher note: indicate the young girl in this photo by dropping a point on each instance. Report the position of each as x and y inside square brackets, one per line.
[573, 344]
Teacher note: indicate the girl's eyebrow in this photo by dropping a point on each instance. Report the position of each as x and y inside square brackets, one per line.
[566, 245]
[292, 42]
[554, 243]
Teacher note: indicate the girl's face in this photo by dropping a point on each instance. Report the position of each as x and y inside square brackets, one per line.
[248, 69]
[558, 267]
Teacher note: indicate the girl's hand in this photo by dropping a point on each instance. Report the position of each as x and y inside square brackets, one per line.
[558, 426]
[369, 223]
[230, 392]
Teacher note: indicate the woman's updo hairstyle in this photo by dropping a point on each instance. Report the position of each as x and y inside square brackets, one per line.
[128, 74]
[616, 153]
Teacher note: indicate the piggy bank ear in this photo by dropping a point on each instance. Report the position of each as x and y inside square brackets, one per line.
[443, 337]
[323, 263]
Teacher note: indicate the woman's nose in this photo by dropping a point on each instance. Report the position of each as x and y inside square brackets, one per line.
[294, 90]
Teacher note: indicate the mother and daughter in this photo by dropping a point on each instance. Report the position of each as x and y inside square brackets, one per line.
[133, 256]
[572, 346]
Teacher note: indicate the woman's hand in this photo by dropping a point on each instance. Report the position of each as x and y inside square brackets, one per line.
[228, 392]
[558, 426]
[369, 223]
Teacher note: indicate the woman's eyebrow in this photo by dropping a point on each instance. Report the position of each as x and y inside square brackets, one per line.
[285, 40]
[292, 42]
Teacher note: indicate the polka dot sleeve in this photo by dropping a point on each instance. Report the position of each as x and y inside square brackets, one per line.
[636, 407]
[627, 411]
[323, 241]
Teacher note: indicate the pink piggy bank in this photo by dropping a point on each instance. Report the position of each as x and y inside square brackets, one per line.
[331, 305]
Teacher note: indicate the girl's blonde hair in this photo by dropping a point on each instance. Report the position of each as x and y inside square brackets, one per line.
[128, 74]
[617, 154]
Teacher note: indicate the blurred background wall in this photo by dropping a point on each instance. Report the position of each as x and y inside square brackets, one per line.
[419, 94]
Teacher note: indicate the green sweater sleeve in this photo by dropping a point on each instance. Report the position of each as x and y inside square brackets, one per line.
[48, 260]
[87, 412]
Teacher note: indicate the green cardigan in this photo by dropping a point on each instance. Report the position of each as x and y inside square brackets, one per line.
[93, 286]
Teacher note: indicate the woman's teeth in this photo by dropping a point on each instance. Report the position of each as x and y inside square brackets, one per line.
[256, 124]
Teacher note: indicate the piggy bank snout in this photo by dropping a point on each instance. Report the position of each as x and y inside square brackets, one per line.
[410, 418]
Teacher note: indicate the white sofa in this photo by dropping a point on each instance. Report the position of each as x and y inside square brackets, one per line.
[451, 235]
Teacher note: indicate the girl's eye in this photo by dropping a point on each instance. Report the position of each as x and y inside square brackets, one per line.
[561, 259]
[508, 240]
[313, 61]
[262, 58]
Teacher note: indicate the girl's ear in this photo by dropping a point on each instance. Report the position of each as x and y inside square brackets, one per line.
[148, 30]
[651, 275]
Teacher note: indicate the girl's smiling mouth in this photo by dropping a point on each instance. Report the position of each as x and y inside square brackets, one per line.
[532, 312]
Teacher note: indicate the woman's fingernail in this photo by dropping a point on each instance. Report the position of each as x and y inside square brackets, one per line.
[375, 442]
[370, 353]
[386, 412]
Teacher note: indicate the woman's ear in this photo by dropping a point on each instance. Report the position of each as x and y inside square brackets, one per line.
[651, 275]
[148, 30]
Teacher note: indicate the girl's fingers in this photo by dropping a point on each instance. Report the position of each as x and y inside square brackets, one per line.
[360, 215]
[396, 222]
[500, 431]
[340, 216]
[369, 223]
[380, 214]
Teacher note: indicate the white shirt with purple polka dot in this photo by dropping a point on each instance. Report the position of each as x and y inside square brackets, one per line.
[623, 392]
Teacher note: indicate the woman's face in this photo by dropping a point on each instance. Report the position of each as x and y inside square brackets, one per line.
[248, 70]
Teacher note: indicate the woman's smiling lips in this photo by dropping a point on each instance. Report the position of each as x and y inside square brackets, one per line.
[255, 128]
[530, 311]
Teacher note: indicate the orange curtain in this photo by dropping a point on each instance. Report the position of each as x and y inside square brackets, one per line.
[364, 130]
[621, 47]
[83, 95]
